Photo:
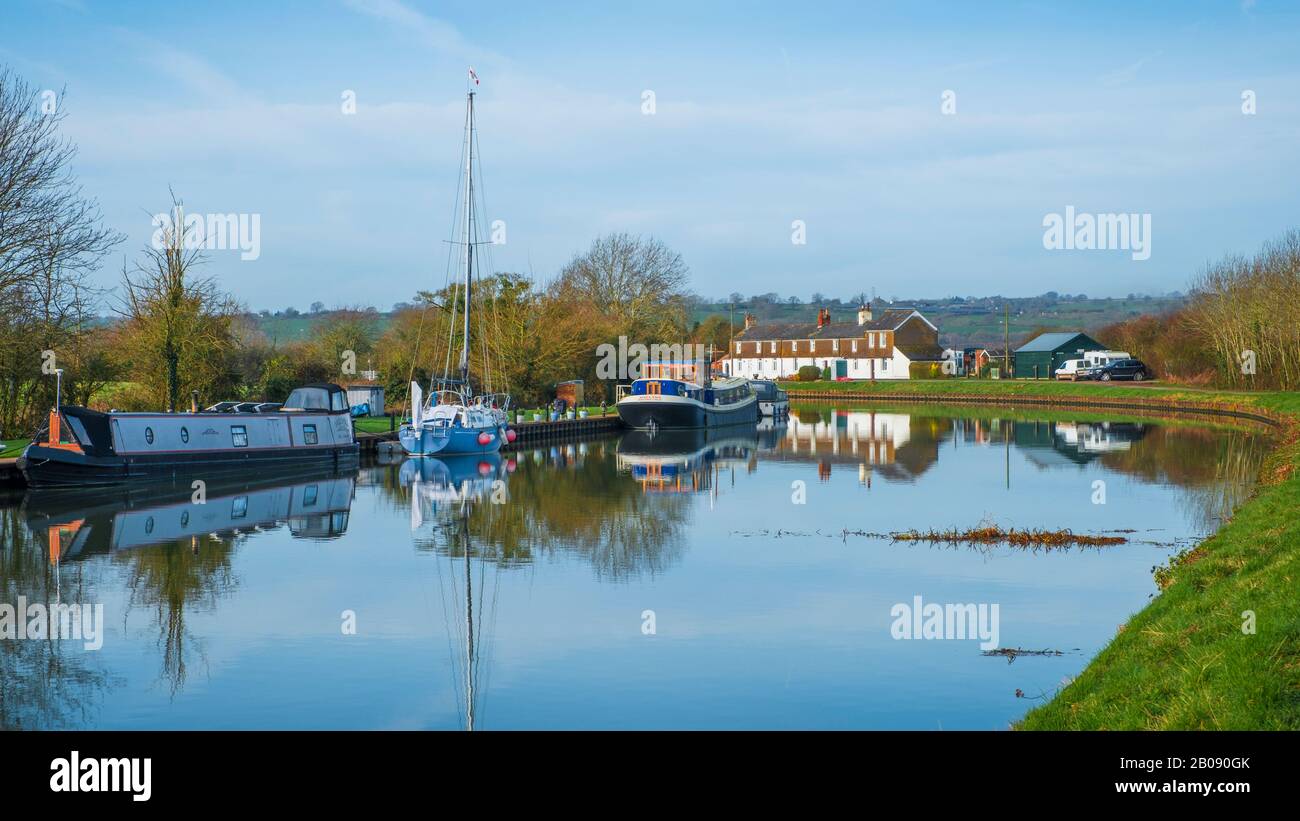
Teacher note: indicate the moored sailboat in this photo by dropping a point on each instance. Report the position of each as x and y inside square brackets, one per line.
[453, 419]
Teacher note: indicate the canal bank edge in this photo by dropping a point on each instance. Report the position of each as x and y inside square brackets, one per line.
[1219, 647]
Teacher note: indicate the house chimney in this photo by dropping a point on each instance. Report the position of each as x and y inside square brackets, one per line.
[864, 314]
[749, 321]
[823, 317]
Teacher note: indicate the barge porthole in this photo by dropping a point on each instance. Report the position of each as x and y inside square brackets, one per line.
[185, 435]
[148, 435]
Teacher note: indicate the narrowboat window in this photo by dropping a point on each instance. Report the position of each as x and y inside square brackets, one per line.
[309, 434]
[78, 430]
[185, 518]
[309, 495]
[185, 435]
[338, 401]
[239, 507]
[148, 435]
[148, 525]
[238, 436]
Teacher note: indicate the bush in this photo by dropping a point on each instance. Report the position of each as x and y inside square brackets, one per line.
[926, 370]
[810, 373]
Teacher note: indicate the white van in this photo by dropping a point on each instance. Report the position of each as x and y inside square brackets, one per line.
[1072, 370]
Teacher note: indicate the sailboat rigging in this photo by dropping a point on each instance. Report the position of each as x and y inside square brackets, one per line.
[453, 419]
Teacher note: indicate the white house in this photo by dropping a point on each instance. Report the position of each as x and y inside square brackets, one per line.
[874, 347]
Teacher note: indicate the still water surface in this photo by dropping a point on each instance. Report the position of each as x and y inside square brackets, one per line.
[680, 581]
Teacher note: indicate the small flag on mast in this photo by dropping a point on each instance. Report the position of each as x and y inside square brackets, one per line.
[472, 75]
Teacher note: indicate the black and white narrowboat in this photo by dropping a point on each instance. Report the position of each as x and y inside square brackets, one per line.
[772, 401]
[674, 395]
[83, 447]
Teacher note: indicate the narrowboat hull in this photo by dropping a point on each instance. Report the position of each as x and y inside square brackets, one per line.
[46, 467]
[665, 412]
[779, 407]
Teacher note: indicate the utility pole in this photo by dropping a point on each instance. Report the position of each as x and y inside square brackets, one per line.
[1006, 350]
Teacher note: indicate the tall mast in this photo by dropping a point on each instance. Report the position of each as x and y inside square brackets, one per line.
[469, 230]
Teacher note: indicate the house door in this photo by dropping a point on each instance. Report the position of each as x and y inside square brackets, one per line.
[841, 369]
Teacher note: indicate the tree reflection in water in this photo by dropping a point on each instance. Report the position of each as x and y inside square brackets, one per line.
[569, 498]
[44, 683]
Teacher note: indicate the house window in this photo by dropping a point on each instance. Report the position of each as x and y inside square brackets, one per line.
[309, 434]
[835, 345]
[738, 347]
[884, 365]
[238, 436]
[148, 435]
[855, 346]
[771, 347]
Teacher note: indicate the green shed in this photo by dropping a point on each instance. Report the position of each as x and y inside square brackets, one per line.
[1041, 356]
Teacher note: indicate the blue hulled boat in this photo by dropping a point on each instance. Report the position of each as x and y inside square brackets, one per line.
[454, 420]
[685, 395]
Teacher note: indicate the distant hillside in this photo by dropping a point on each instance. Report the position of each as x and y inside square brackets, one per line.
[297, 327]
[962, 322]
[969, 321]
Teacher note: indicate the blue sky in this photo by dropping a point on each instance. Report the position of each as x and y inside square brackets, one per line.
[828, 113]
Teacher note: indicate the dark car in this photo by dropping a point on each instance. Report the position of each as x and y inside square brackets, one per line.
[1134, 369]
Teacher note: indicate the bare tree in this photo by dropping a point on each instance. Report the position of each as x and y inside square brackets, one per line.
[51, 240]
[177, 334]
[638, 284]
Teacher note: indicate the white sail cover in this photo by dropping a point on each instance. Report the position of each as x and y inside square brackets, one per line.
[417, 404]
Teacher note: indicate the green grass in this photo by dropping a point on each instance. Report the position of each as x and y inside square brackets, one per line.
[1184, 661]
[10, 448]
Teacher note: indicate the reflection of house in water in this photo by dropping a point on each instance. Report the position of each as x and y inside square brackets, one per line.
[687, 461]
[896, 446]
[77, 525]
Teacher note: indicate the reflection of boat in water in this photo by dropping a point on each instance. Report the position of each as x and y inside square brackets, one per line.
[682, 460]
[771, 430]
[450, 487]
[76, 526]
[1098, 437]
[439, 481]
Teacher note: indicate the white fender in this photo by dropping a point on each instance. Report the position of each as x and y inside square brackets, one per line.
[417, 405]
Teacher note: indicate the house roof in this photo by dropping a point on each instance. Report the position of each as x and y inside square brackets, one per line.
[1052, 341]
[921, 351]
[887, 320]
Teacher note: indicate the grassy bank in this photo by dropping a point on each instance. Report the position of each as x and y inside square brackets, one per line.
[1184, 661]
[10, 448]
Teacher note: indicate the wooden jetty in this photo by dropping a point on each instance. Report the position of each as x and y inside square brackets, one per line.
[530, 433]
[10, 475]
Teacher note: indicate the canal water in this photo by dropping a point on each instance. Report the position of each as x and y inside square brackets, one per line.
[743, 579]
